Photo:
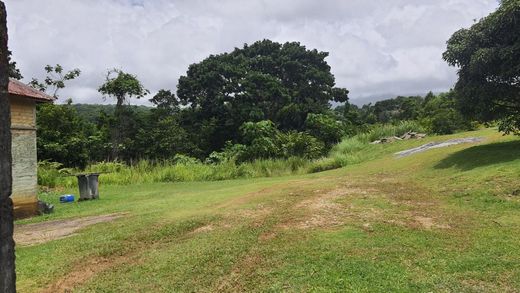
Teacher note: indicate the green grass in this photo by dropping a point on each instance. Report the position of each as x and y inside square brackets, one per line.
[351, 150]
[445, 220]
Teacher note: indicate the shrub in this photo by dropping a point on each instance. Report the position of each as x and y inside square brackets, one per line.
[325, 127]
[300, 144]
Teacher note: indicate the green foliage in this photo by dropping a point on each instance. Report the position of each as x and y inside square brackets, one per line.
[298, 153]
[91, 112]
[399, 108]
[122, 86]
[440, 115]
[12, 70]
[50, 173]
[167, 135]
[488, 55]
[166, 101]
[263, 81]
[61, 135]
[325, 127]
[301, 144]
[55, 79]
[262, 140]
[379, 131]
[181, 169]
[230, 152]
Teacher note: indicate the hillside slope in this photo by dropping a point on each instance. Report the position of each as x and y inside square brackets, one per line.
[445, 220]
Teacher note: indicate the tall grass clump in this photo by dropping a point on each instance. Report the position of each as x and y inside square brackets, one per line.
[357, 149]
[117, 173]
[389, 130]
[52, 174]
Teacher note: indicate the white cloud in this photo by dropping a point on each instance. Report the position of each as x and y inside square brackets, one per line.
[376, 47]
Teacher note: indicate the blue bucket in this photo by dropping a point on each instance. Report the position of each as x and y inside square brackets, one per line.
[67, 198]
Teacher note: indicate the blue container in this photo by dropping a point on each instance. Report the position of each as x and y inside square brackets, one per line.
[67, 198]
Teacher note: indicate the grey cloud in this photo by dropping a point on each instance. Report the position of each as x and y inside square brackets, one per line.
[376, 47]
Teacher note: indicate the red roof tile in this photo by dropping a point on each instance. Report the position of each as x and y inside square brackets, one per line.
[21, 89]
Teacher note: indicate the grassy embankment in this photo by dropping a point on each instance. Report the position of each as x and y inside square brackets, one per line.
[441, 221]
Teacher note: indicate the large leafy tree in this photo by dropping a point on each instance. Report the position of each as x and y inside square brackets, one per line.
[488, 57]
[122, 86]
[62, 135]
[163, 128]
[263, 81]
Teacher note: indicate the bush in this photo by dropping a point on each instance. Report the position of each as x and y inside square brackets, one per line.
[300, 144]
[325, 127]
[440, 115]
[51, 174]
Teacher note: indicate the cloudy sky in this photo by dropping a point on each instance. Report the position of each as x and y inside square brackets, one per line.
[377, 47]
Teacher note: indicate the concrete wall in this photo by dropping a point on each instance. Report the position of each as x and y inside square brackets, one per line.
[25, 180]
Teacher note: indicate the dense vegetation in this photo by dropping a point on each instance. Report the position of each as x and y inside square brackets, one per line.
[76, 135]
[269, 101]
[181, 168]
[488, 55]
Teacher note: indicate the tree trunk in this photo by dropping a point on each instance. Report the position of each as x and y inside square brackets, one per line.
[116, 131]
[7, 269]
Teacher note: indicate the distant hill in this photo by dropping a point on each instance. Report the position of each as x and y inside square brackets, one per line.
[90, 112]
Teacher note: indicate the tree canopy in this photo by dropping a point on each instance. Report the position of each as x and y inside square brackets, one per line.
[282, 83]
[488, 57]
[122, 86]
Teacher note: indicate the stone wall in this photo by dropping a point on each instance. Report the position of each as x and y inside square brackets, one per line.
[25, 180]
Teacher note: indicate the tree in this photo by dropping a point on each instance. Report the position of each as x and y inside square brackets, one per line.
[122, 86]
[488, 57]
[165, 99]
[440, 115]
[263, 81]
[398, 108]
[55, 79]
[7, 256]
[13, 71]
[61, 135]
[326, 128]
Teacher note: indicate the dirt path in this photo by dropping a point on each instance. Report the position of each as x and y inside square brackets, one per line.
[31, 234]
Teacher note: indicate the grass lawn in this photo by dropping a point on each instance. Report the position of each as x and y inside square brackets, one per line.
[446, 220]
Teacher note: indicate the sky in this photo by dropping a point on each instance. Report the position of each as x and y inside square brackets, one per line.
[378, 48]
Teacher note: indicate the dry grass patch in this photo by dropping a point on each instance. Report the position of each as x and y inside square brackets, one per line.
[31, 234]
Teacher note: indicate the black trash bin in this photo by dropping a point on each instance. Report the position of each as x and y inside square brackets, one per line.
[88, 186]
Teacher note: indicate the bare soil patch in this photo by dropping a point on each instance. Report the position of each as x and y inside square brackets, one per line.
[31, 234]
[322, 210]
[82, 273]
[428, 223]
[203, 229]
